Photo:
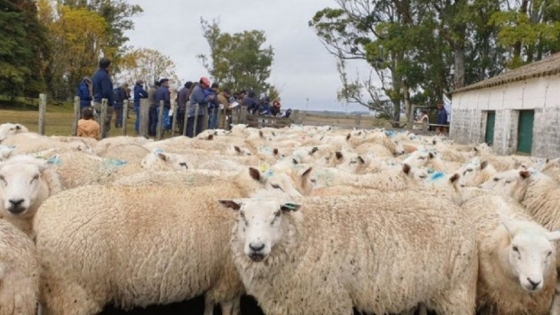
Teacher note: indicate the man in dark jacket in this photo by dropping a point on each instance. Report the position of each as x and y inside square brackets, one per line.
[152, 117]
[198, 97]
[84, 93]
[251, 103]
[139, 93]
[182, 99]
[163, 94]
[120, 96]
[441, 119]
[103, 88]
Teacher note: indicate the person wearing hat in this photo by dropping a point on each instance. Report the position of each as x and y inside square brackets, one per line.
[198, 97]
[84, 93]
[152, 116]
[103, 89]
[139, 93]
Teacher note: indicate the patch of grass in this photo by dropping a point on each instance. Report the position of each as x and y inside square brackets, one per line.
[58, 122]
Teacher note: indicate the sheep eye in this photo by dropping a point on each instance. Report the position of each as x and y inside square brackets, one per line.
[2, 179]
[469, 170]
[352, 162]
[515, 249]
[277, 187]
[314, 181]
[422, 176]
[549, 253]
[422, 158]
[508, 181]
[184, 165]
[496, 179]
[36, 177]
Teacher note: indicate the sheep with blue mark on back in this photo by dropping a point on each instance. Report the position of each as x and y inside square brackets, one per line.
[326, 255]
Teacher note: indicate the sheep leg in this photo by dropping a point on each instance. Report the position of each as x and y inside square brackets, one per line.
[422, 309]
[231, 307]
[208, 305]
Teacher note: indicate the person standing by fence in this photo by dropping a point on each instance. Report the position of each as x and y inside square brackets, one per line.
[213, 106]
[152, 116]
[198, 97]
[103, 88]
[163, 94]
[120, 96]
[225, 118]
[139, 93]
[84, 93]
[182, 99]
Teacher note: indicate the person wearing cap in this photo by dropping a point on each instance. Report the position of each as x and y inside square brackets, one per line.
[139, 93]
[163, 94]
[84, 93]
[198, 97]
[103, 89]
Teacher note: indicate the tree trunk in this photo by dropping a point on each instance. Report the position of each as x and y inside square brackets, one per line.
[517, 45]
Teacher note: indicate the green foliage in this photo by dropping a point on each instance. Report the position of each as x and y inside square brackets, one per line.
[22, 46]
[238, 61]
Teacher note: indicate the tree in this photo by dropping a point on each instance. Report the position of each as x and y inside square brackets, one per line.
[148, 65]
[238, 60]
[76, 50]
[117, 15]
[273, 93]
[23, 46]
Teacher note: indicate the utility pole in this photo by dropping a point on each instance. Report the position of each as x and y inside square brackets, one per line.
[307, 105]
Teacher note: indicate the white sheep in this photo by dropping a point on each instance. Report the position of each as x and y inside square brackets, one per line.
[25, 183]
[5, 151]
[367, 252]
[8, 129]
[517, 258]
[476, 172]
[86, 243]
[19, 272]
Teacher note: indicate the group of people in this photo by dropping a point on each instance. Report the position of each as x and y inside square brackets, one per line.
[209, 97]
[442, 119]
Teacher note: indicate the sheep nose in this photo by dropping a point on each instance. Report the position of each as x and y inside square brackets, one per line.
[256, 247]
[535, 284]
[16, 202]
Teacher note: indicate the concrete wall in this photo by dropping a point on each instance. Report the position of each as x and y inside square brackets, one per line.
[468, 124]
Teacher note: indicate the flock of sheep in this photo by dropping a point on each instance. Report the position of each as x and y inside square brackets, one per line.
[308, 220]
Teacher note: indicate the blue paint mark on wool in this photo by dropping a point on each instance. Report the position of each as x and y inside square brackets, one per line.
[436, 176]
[54, 160]
[116, 162]
[158, 151]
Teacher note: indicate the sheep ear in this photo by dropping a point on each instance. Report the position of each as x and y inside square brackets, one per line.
[230, 204]
[483, 165]
[163, 156]
[255, 174]
[275, 151]
[454, 178]
[361, 160]
[338, 155]
[307, 172]
[553, 236]
[524, 174]
[294, 161]
[315, 149]
[237, 149]
[261, 134]
[507, 223]
[431, 155]
[290, 207]
[18, 126]
[348, 137]
[211, 137]
[406, 168]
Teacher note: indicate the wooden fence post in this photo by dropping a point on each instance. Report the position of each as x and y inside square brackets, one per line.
[125, 118]
[358, 120]
[103, 118]
[243, 112]
[42, 112]
[160, 121]
[144, 117]
[76, 116]
[174, 117]
[196, 122]
[185, 122]
[205, 117]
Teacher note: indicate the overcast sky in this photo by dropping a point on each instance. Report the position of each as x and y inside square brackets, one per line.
[302, 67]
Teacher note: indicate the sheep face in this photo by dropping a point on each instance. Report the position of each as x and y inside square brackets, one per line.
[276, 181]
[419, 158]
[260, 225]
[511, 183]
[20, 186]
[160, 161]
[8, 129]
[530, 253]
[399, 148]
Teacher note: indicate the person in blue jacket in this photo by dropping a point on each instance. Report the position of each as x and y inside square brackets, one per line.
[139, 93]
[163, 94]
[84, 93]
[198, 97]
[103, 88]
[441, 118]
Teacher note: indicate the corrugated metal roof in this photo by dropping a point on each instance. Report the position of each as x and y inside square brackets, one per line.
[545, 67]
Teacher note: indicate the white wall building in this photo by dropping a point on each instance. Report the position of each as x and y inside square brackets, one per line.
[515, 112]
